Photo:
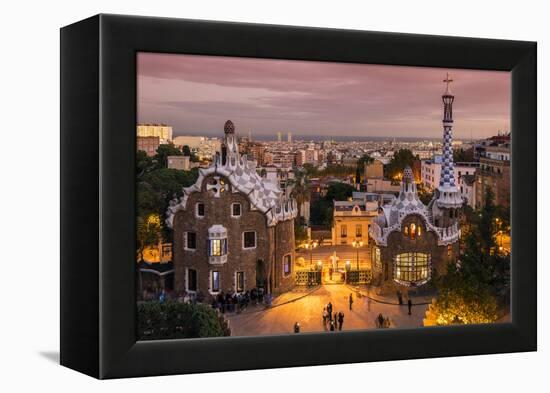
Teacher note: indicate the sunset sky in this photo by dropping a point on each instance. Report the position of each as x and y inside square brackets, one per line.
[197, 94]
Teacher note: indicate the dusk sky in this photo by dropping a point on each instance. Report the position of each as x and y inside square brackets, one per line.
[197, 94]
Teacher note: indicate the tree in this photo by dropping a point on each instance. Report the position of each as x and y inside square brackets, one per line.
[300, 187]
[174, 320]
[157, 188]
[487, 223]
[461, 155]
[461, 301]
[339, 192]
[322, 210]
[143, 163]
[400, 160]
[337, 170]
[424, 194]
[364, 159]
[472, 291]
[187, 152]
[311, 171]
[163, 151]
[148, 233]
[300, 231]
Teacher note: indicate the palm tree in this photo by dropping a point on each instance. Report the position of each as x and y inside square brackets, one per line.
[300, 190]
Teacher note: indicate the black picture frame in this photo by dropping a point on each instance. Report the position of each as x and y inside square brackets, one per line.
[98, 119]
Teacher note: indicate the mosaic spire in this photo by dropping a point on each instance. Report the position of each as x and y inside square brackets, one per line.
[230, 145]
[447, 179]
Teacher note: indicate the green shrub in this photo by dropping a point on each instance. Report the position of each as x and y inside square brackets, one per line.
[174, 320]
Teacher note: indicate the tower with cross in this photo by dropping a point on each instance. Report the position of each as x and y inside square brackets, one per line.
[447, 199]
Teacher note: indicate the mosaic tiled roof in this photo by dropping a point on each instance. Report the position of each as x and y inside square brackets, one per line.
[243, 177]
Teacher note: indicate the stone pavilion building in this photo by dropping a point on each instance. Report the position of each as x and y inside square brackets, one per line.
[233, 231]
[412, 241]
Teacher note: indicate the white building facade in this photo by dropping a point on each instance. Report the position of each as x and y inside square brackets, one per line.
[430, 170]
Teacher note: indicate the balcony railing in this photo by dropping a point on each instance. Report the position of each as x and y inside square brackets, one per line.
[218, 259]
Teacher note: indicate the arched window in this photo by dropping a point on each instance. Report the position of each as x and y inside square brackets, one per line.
[419, 231]
[406, 231]
[412, 268]
[413, 231]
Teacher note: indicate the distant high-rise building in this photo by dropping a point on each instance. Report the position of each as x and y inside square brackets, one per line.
[163, 131]
[279, 136]
[289, 137]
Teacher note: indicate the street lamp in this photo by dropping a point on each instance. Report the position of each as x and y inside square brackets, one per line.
[357, 244]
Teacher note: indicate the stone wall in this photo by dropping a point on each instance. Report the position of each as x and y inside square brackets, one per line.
[283, 245]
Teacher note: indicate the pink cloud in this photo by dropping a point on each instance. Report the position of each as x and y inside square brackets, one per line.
[198, 93]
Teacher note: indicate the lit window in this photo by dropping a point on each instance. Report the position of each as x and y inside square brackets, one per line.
[249, 239]
[215, 284]
[449, 250]
[358, 230]
[236, 210]
[240, 281]
[406, 231]
[413, 231]
[344, 231]
[412, 268]
[190, 241]
[419, 231]
[200, 209]
[218, 247]
[217, 244]
[287, 265]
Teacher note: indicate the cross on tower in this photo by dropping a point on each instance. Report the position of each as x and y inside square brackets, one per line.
[448, 81]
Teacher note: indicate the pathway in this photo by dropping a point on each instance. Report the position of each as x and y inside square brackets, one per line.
[307, 310]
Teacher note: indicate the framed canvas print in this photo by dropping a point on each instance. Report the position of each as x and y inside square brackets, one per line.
[239, 196]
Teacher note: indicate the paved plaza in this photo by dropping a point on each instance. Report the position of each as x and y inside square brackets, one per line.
[306, 307]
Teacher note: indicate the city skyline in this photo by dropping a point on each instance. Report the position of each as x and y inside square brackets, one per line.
[196, 94]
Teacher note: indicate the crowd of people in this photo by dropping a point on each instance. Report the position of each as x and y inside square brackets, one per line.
[332, 320]
[237, 302]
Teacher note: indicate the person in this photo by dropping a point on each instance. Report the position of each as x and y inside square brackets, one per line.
[340, 320]
[330, 273]
[162, 296]
[297, 327]
[409, 303]
[400, 297]
[325, 316]
[331, 323]
[350, 300]
[380, 320]
[329, 310]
